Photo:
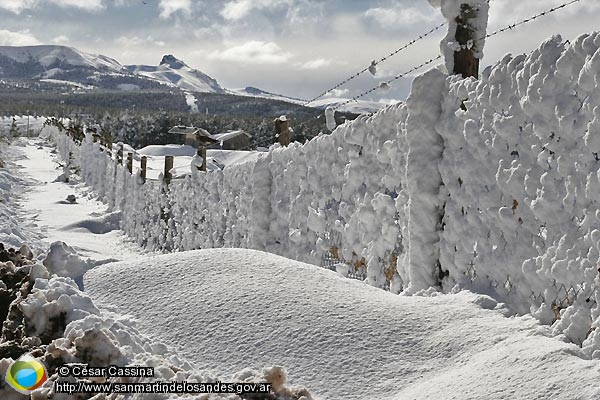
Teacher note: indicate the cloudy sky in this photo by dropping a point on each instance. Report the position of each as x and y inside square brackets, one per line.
[294, 47]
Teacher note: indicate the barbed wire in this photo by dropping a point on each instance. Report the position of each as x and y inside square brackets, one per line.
[388, 82]
[526, 20]
[376, 62]
[496, 32]
[413, 69]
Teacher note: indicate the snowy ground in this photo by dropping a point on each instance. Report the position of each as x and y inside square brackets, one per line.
[229, 309]
[83, 225]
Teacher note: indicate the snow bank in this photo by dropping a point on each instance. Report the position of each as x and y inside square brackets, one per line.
[16, 229]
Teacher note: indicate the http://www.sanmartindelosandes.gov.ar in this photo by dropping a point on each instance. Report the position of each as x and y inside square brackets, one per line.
[26, 374]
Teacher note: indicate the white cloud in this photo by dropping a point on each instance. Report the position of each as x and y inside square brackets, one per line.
[338, 92]
[89, 5]
[136, 41]
[62, 39]
[170, 7]
[255, 52]
[16, 6]
[19, 38]
[238, 9]
[315, 64]
[398, 18]
[120, 3]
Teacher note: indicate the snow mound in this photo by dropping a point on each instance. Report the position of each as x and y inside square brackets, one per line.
[102, 225]
[63, 260]
[324, 329]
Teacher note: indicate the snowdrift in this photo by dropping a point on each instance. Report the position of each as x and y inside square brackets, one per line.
[226, 309]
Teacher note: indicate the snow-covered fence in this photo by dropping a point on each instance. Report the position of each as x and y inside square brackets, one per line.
[337, 195]
[489, 184]
[522, 174]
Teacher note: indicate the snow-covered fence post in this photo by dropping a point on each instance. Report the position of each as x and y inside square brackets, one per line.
[463, 45]
[130, 162]
[466, 62]
[282, 130]
[423, 179]
[167, 172]
[143, 167]
[164, 200]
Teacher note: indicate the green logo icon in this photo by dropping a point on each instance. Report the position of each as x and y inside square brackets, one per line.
[26, 374]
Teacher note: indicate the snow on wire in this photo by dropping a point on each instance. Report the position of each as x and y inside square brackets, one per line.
[494, 33]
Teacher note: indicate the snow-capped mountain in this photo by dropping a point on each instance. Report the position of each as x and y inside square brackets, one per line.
[174, 72]
[49, 61]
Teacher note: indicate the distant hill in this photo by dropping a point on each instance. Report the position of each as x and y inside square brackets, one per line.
[49, 60]
[62, 65]
[174, 72]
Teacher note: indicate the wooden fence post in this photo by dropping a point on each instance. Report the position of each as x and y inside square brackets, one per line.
[120, 155]
[130, 162]
[164, 213]
[143, 166]
[202, 153]
[168, 167]
[282, 129]
[465, 62]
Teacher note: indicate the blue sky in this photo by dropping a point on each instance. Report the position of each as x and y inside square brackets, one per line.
[293, 47]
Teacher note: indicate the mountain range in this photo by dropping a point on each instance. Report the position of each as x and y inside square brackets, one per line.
[67, 66]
